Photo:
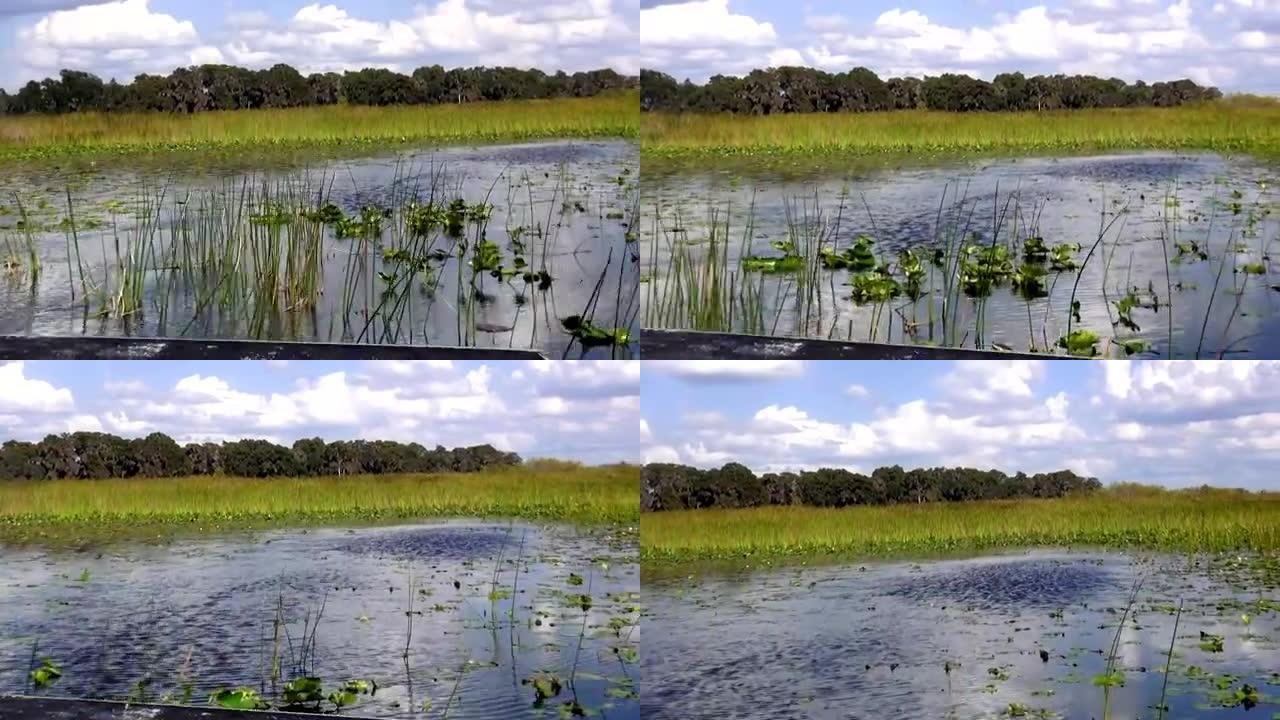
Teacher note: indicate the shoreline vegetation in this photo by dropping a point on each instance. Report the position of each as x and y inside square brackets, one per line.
[738, 518]
[611, 114]
[1203, 520]
[1232, 125]
[542, 490]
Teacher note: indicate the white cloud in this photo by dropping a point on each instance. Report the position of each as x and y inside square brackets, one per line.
[27, 395]
[1152, 40]
[1178, 423]
[701, 23]
[586, 410]
[857, 391]
[122, 38]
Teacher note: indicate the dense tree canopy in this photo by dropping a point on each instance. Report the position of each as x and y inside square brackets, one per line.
[93, 455]
[806, 90]
[680, 487]
[223, 87]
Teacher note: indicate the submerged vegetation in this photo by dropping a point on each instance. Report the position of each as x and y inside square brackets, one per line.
[541, 490]
[1202, 520]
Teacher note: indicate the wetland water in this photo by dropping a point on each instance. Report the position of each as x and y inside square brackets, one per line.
[1208, 213]
[963, 639]
[202, 612]
[350, 250]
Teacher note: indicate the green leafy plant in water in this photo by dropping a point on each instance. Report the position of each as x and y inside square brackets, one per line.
[239, 699]
[273, 215]
[47, 674]
[303, 692]
[875, 287]
[1254, 268]
[1124, 311]
[1210, 643]
[423, 219]
[456, 218]
[789, 262]
[1111, 679]
[1080, 342]
[545, 686]
[983, 267]
[367, 224]
[913, 273]
[587, 333]
[1062, 257]
[1034, 250]
[351, 691]
[575, 579]
[327, 214]
[858, 258]
[487, 258]
[1028, 280]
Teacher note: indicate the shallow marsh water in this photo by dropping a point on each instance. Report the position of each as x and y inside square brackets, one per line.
[1226, 206]
[564, 207]
[201, 612]
[963, 638]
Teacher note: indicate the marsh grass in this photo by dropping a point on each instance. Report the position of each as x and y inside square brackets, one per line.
[815, 282]
[254, 256]
[1184, 521]
[1243, 125]
[42, 136]
[67, 508]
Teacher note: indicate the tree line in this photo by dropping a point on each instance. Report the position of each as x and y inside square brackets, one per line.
[99, 456]
[224, 87]
[808, 90]
[667, 486]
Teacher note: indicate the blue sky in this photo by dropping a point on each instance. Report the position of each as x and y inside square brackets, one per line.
[1173, 423]
[575, 410]
[1233, 44]
[121, 38]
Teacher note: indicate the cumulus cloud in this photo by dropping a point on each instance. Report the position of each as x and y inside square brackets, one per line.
[1141, 39]
[122, 38]
[586, 410]
[1176, 423]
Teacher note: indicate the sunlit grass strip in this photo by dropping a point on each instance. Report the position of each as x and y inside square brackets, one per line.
[1252, 126]
[1189, 522]
[586, 495]
[37, 136]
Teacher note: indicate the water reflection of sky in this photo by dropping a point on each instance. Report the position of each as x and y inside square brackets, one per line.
[203, 612]
[902, 206]
[841, 642]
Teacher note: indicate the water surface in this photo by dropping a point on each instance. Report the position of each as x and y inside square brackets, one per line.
[161, 622]
[963, 639]
[1148, 203]
[564, 207]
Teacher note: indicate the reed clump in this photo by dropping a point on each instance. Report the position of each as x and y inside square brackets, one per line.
[1205, 520]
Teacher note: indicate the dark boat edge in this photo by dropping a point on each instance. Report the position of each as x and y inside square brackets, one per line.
[700, 345]
[38, 347]
[18, 707]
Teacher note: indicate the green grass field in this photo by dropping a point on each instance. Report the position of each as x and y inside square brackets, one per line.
[1217, 520]
[43, 136]
[62, 509]
[1243, 125]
